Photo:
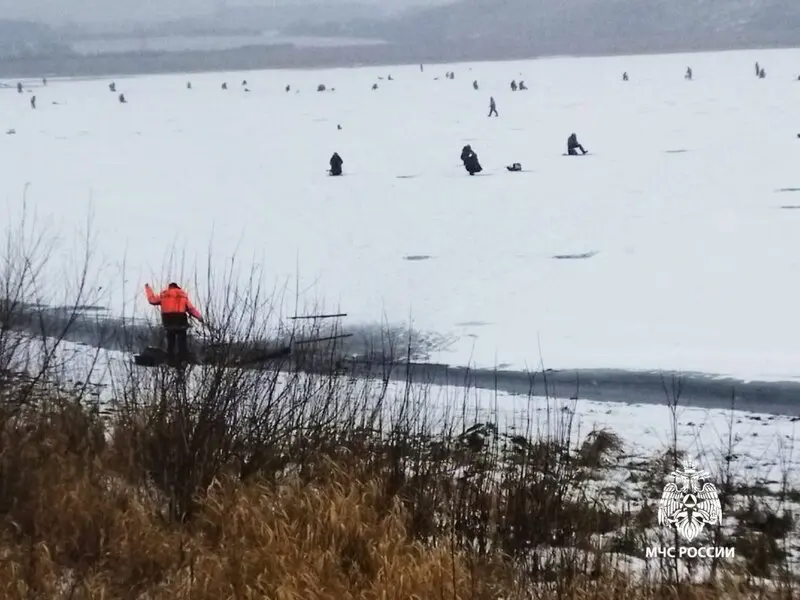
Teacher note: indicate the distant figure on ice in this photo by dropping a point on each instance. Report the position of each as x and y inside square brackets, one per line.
[688, 75]
[224, 86]
[122, 99]
[573, 145]
[288, 87]
[374, 86]
[244, 82]
[112, 87]
[513, 86]
[339, 127]
[492, 107]
[421, 69]
[19, 88]
[188, 85]
[470, 160]
[390, 78]
[762, 73]
[33, 102]
[625, 76]
[176, 308]
[758, 70]
[321, 87]
[514, 167]
[336, 165]
[522, 86]
[44, 81]
[475, 84]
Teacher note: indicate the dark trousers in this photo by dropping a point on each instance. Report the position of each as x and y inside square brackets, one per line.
[574, 152]
[176, 327]
[493, 111]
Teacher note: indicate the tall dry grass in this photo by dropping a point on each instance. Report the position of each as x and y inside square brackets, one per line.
[73, 528]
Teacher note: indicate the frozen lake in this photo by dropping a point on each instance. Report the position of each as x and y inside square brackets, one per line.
[692, 259]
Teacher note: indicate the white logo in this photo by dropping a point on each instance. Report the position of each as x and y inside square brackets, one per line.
[686, 505]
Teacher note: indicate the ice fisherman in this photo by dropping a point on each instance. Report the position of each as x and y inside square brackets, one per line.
[625, 76]
[492, 107]
[513, 86]
[573, 145]
[176, 308]
[688, 75]
[336, 165]
[122, 99]
[33, 102]
[475, 84]
[522, 86]
[19, 88]
[470, 160]
[112, 87]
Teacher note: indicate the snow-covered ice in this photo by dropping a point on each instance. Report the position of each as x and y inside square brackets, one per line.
[695, 265]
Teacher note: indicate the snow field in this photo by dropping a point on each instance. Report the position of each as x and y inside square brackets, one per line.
[694, 266]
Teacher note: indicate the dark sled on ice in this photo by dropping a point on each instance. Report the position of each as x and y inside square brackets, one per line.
[234, 354]
[251, 354]
[152, 356]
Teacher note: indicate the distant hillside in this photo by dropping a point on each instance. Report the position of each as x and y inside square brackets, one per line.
[532, 27]
[469, 30]
[20, 39]
[241, 20]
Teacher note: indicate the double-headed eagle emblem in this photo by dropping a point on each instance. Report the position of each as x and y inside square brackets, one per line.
[688, 506]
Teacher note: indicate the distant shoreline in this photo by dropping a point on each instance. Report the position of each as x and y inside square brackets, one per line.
[291, 57]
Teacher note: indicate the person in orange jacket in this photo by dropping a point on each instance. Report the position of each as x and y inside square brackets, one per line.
[175, 311]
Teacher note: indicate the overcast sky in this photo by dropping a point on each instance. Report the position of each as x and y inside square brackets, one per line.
[99, 11]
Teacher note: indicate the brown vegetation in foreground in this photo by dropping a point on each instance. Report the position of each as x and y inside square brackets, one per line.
[78, 522]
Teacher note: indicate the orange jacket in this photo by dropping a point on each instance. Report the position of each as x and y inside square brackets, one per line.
[172, 301]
